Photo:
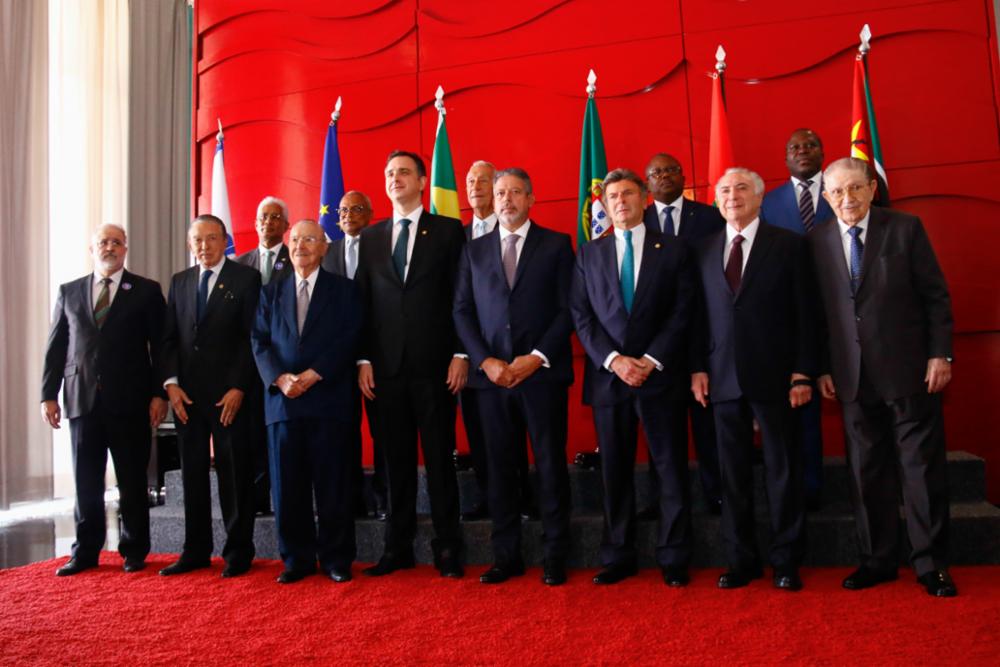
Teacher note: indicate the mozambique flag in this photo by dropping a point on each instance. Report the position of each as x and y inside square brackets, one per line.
[444, 193]
[864, 131]
[332, 184]
[720, 145]
[592, 221]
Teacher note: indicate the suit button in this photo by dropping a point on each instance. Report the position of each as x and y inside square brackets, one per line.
[195, 348]
[857, 318]
[508, 327]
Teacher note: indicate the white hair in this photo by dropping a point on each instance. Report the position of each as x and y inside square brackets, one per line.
[272, 200]
[112, 226]
[758, 182]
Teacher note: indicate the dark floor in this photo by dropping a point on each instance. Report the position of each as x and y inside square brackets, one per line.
[29, 540]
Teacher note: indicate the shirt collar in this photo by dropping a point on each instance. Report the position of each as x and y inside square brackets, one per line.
[817, 179]
[863, 225]
[677, 204]
[413, 216]
[638, 234]
[311, 279]
[748, 233]
[215, 269]
[490, 220]
[521, 231]
[116, 277]
[275, 249]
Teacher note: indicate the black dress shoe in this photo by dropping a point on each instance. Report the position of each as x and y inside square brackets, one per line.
[787, 578]
[612, 574]
[866, 577]
[184, 566]
[938, 583]
[235, 570]
[74, 566]
[134, 565]
[501, 573]
[675, 575]
[553, 573]
[291, 576]
[387, 565]
[739, 578]
[381, 514]
[650, 513]
[449, 567]
[477, 513]
[339, 575]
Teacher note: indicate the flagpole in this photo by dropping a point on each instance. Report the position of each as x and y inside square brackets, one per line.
[444, 187]
[331, 188]
[220, 190]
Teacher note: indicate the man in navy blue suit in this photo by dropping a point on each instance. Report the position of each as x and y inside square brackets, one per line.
[797, 206]
[632, 299]
[512, 315]
[305, 342]
[754, 355]
[674, 216]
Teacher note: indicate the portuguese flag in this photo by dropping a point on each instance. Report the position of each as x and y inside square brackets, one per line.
[444, 193]
[592, 221]
[864, 131]
[720, 145]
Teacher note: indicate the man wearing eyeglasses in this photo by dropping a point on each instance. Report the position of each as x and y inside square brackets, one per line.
[889, 323]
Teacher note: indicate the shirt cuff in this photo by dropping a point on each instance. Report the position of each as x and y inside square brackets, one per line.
[545, 360]
[460, 355]
[170, 380]
[363, 362]
[656, 363]
[609, 359]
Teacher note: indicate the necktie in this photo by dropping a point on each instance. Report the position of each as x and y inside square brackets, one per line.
[509, 258]
[734, 267]
[399, 252]
[857, 250]
[352, 257]
[668, 221]
[103, 304]
[202, 294]
[806, 210]
[479, 229]
[302, 304]
[628, 272]
[265, 275]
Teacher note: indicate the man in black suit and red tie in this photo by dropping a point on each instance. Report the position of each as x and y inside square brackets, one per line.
[889, 325]
[632, 299]
[512, 315]
[674, 216]
[208, 369]
[753, 357]
[103, 347]
[412, 363]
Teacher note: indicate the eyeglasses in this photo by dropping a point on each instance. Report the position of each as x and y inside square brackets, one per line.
[852, 189]
[663, 171]
[357, 209]
[273, 217]
[110, 243]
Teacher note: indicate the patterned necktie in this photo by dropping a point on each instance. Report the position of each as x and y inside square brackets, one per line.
[302, 304]
[628, 272]
[399, 252]
[479, 229]
[103, 304]
[265, 275]
[509, 259]
[352, 256]
[806, 210]
[202, 295]
[668, 221]
[857, 251]
[734, 267]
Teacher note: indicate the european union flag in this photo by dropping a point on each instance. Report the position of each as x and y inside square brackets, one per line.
[332, 186]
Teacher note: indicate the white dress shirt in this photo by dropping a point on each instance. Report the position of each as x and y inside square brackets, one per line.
[815, 189]
[845, 237]
[490, 221]
[749, 233]
[638, 239]
[310, 282]
[675, 214]
[521, 232]
[214, 278]
[414, 217]
[96, 287]
[348, 240]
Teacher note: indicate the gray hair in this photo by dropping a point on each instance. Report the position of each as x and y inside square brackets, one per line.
[112, 226]
[272, 200]
[849, 164]
[516, 172]
[758, 182]
[623, 174]
[482, 163]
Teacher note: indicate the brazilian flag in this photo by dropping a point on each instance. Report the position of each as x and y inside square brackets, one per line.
[444, 193]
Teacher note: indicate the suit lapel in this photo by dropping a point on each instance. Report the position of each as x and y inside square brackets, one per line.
[287, 304]
[492, 258]
[418, 260]
[319, 294]
[531, 242]
[383, 243]
[337, 260]
[87, 297]
[758, 251]
[120, 302]
[835, 251]
[873, 243]
[647, 269]
[216, 294]
[608, 261]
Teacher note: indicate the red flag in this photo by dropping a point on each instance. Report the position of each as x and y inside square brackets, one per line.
[720, 146]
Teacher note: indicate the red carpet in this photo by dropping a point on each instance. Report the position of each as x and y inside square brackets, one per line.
[105, 616]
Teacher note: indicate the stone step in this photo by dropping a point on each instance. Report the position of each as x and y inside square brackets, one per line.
[974, 540]
[966, 479]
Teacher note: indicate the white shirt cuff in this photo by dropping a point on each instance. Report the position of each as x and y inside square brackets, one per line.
[170, 380]
[656, 363]
[545, 360]
[609, 359]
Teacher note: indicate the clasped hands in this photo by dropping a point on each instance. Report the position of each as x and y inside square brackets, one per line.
[510, 375]
[294, 385]
[631, 370]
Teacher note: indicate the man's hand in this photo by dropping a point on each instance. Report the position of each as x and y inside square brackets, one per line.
[498, 371]
[938, 374]
[178, 399]
[288, 384]
[630, 370]
[799, 394]
[699, 387]
[458, 374]
[825, 386]
[307, 378]
[523, 367]
[230, 404]
[366, 381]
[157, 411]
[51, 413]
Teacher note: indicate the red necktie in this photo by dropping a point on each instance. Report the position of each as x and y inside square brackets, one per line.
[734, 267]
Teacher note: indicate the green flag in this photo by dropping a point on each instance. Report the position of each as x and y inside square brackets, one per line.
[591, 218]
[444, 193]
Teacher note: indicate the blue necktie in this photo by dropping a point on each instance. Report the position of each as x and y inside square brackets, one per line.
[668, 221]
[203, 294]
[399, 252]
[857, 250]
[628, 272]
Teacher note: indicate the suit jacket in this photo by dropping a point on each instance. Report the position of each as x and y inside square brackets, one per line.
[901, 315]
[697, 220]
[214, 356]
[408, 327]
[334, 260]
[781, 208]
[282, 264]
[751, 342]
[328, 345]
[661, 313]
[119, 358]
[494, 320]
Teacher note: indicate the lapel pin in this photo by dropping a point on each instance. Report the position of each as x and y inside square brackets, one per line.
[423, 232]
[657, 245]
[219, 286]
[126, 286]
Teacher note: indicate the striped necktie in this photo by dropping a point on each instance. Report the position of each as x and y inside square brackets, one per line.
[806, 209]
[103, 304]
[857, 252]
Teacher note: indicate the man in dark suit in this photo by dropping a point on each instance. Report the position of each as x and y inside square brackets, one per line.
[305, 342]
[103, 347]
[753, 356]
[512, 315]
[270, 257]
[209, 368]
[889, 321]
[796, 206]
[631, 299]
[479, 192]
[355, 213]
[673, 216]
[411, 362]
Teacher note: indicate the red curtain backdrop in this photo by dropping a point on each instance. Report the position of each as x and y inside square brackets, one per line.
[515, 78]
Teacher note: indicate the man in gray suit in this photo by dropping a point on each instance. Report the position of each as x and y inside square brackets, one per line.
[889, 321]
